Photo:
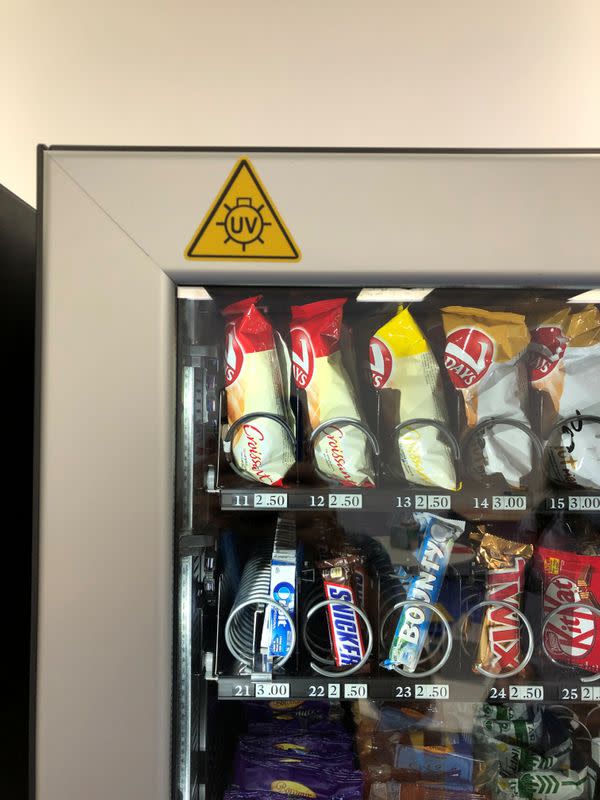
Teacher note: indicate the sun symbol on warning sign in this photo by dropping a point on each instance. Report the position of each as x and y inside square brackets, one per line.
[243, 222]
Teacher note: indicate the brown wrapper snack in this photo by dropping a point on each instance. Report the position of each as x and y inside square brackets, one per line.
[344, 626]
[563, 364]
[500, 640]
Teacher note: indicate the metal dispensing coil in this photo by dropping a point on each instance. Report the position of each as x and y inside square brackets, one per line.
[252, 596]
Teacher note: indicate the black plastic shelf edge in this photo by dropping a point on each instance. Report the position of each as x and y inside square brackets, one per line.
[359, 687]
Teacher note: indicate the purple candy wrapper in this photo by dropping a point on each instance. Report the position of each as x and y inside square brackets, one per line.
[301, 712]
[250, 794]
[241, 794]
[297, 725]
[301, 777]
[247, 760]
[297, 743]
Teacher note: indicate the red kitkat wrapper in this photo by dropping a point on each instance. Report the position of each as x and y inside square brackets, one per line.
[572, 636]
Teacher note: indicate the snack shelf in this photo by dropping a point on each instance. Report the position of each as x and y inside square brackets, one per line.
[361, 687]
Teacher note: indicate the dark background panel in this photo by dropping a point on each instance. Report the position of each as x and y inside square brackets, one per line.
[17, 293]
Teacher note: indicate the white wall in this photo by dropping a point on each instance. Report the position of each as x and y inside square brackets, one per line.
[188, 72]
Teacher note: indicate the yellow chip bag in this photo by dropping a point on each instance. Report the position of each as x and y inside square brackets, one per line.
[401, 360]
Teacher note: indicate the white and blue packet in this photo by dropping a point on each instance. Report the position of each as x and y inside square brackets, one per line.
[277, 633]
[439, 535]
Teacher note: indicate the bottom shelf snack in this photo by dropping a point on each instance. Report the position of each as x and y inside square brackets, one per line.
[474, 751]
[386, 750]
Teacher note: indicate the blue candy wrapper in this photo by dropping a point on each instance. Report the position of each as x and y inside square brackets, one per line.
[439, 535]
[453, 759]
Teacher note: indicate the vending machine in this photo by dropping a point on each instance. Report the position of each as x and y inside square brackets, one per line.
[319, 487]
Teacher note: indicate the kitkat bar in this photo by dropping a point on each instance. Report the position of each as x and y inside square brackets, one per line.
[342, 450]
[571, 636]
[484, 360]
[261, 448]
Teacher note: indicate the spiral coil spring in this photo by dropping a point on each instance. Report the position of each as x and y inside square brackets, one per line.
[254, 589]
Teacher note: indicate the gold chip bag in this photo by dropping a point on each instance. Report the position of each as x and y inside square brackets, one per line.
[483, 357]
[564, 364]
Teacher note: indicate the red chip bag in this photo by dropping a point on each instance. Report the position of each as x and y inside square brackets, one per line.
[261, 449]
[341, 452]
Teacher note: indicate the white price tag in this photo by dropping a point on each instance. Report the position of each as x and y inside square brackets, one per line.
[432, 691]
[590, 693]
[270, 500]
[348, 501]
[432, 502]
[271, 690]
[509, 502]
[588, 502]
[438, 502]
[333, 691]
[526, 692]
[355, 691]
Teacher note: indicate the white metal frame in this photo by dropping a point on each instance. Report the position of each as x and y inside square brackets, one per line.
[114, 228]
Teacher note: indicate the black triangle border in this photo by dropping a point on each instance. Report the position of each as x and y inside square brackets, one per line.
[243, 162]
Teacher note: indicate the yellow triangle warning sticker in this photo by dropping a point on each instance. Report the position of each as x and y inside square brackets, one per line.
[243, 223]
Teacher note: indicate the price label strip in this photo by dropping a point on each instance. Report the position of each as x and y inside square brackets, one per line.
[584, 503]
[432, 691]
[577, 502]
[526, 692]
[501, 502]
[270, 500]
[241, 690]
[355, 691]
[268, 690]
[266, 500]
[590, 693]
[345, 501]
[329, 690]
[424, 502]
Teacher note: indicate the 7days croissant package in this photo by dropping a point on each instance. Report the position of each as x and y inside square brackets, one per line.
[254, 384]
[342, 450]
[564, 365]
[403, 366]
[484, 359]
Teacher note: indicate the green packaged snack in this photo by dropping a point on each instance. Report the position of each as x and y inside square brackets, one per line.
[513, 759]
[518, 731]
[515, 711]
[544, 784]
